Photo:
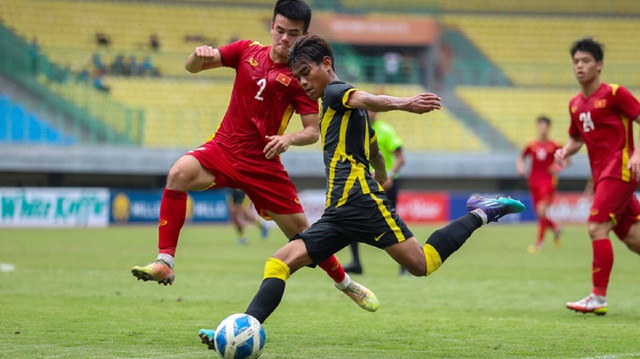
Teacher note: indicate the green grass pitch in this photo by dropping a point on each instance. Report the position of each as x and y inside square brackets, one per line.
[72, 295]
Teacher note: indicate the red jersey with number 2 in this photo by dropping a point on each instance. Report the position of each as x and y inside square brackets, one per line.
[541, 154]
[603, 121]
[265, 95]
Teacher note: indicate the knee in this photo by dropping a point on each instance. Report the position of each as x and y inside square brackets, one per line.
[180, 176]
[598, 230]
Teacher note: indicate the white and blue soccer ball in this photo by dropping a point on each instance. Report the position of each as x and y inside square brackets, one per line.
[240, 336]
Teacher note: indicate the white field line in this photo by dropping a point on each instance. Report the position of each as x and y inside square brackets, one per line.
[613, 356]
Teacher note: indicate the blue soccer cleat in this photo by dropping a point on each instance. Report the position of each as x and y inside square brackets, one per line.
[207, 336]
[494, 208]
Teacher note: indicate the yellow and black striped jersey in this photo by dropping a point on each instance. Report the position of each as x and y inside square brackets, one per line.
[346, 138]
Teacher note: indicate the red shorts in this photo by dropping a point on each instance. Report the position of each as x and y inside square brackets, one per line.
[266, 182]
[542, 192]
[615, 200]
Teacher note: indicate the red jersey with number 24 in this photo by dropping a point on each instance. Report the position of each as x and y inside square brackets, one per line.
[265, 95]
[541, 154]
[603, 121]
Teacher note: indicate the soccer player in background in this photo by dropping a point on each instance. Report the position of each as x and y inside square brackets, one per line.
[542, 180]
[602, 116]
[242, 213]
[244, 151]
[357, 207]
[390, 145]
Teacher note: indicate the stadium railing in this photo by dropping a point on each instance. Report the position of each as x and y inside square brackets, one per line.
[542, 7]
[26, 66]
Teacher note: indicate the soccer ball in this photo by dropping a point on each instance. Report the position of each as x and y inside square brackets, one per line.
[240, 336]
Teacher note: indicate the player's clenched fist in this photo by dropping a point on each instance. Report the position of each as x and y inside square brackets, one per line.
[205, 53]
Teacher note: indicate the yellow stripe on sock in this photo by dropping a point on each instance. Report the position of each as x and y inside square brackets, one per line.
[275, 268]
[432, 257]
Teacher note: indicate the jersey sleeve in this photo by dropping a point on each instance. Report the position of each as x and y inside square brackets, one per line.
[231, 54]
[626, 103]
[336, 94]
[373, 136]
[573, 128]
[526, 151]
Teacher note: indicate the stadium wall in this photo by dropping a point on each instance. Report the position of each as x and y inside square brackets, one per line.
[129, 167]
[101, 207]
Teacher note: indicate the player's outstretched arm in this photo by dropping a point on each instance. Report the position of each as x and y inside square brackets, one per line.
[634, 162]
[203, 58]
[420, 103]
[308, 135]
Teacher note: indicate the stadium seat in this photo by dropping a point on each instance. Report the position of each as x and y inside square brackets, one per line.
[534, 50]
[540, 7]
[66, 29]
[513, 111]
[19, 125]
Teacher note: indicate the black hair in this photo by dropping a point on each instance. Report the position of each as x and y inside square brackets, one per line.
[588, 44]
[310, 48]
[544, 119]
[293, 10]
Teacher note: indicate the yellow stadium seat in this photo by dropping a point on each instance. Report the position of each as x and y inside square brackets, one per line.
[544, 7]
[534, 51]
[513, 111]
[66, 29]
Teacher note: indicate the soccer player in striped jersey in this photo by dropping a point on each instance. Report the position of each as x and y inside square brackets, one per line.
[542, 179]
[602, 117]
[244, 151]
[356, 205]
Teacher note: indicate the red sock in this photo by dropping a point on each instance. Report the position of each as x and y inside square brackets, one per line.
[601, 266]
[542, 226]
[173, 210]
[551, 224]
[333, 268]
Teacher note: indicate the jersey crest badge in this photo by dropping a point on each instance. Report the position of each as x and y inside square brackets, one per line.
[574, 109]
[601, 103]
[253, 62]
[283, 79]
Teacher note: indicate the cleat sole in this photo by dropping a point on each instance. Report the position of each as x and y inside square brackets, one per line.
[146, 277]
[205, 340]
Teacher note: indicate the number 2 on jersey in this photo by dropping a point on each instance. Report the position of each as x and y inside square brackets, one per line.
[262, 83]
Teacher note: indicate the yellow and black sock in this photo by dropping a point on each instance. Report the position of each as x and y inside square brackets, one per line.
[276, 273]
[443, 242]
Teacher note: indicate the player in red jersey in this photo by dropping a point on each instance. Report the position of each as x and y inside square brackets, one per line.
[542, 179]
[601, 117]
[244, 151]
